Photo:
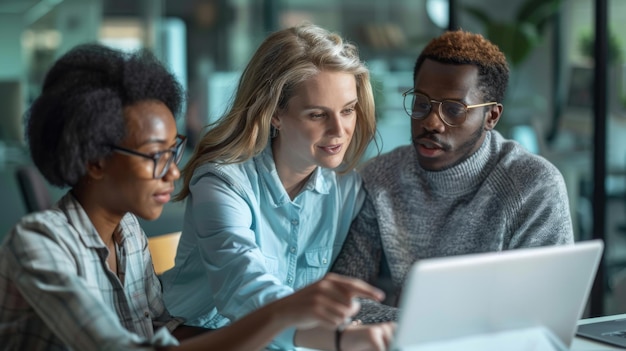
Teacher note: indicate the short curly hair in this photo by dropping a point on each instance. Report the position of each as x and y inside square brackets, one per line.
[79, 114]
[461, 47]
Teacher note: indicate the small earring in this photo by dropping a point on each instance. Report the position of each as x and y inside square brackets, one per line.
[273, 132]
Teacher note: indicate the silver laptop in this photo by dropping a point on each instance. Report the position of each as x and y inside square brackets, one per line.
[612, 332]
[459, 296]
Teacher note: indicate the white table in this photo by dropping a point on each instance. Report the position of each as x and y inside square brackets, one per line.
[578, 344]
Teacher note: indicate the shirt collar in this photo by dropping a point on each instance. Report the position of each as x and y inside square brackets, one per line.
[77, 218]
[463, 177]
[320, 181]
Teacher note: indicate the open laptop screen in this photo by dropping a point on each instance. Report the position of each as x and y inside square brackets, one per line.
[459, 296]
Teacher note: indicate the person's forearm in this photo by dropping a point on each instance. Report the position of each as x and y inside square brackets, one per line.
[252, 332]
[185, 332]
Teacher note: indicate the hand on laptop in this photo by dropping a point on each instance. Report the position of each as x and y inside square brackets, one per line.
[327, 303]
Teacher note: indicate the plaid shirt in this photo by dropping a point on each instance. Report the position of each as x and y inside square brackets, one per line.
[57, 293]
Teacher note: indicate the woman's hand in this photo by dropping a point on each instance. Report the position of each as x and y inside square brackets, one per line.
[326, 303]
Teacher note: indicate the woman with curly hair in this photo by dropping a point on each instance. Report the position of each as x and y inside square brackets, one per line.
[79, 276]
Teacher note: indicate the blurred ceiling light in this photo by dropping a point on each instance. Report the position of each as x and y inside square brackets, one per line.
[47, 39]
[121, 28]
[292, 18]
[438, 12]
[122, 33]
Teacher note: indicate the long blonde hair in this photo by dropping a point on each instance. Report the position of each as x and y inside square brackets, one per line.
[284, 59]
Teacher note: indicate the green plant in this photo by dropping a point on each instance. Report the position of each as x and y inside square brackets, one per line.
[587, 42]
[379, 96]
[519, 37]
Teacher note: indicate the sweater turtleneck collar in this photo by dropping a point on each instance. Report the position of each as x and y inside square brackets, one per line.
[462, 178]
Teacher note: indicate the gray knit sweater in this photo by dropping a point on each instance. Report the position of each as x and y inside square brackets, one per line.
[500, 198]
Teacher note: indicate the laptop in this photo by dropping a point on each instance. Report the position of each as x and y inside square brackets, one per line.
[462, 296]
[612, 332]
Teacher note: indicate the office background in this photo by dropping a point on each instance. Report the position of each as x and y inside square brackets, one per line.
[552, 106]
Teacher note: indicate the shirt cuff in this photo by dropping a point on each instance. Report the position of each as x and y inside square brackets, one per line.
[163, 332]
[163, 337]
[171, 324]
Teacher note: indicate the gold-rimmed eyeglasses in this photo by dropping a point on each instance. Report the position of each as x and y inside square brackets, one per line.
[453, 113]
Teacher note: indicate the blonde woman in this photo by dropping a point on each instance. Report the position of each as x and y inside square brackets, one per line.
[271, 190]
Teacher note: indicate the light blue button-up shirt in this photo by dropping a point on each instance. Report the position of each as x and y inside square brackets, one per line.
[246, 243]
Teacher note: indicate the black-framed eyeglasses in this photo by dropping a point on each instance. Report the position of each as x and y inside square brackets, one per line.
[162, 159]
[453, 113]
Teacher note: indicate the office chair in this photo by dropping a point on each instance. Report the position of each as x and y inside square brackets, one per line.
[163, 251]
[34, 188]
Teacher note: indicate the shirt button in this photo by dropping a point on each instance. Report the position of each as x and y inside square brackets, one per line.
[294, 221]
[293, 250]
[289, 280]
[146, 314]
[324, 261]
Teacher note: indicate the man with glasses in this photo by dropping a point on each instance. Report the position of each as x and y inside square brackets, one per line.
[461, 187]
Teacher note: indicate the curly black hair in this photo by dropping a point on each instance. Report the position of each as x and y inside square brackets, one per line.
[79, 113]
[460, 47]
